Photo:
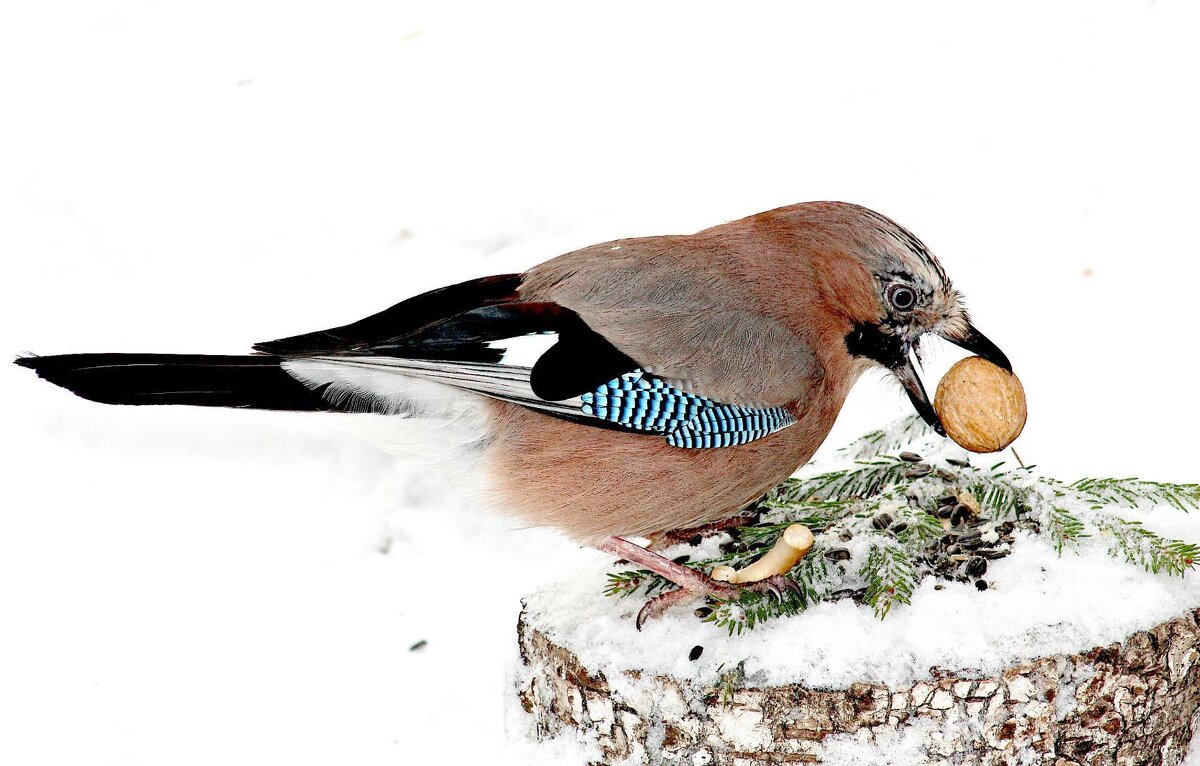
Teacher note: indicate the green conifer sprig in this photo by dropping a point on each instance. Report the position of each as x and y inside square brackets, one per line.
[1138, 545]
[891, 577]
[1132, 493]
[852, 503]
[1064, 528]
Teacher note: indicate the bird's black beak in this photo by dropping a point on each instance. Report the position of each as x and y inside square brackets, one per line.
[893, 352]
[906, 373]
[970, 339]
[977, 343]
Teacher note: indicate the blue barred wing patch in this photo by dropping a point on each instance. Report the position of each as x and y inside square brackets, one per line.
[649, 405]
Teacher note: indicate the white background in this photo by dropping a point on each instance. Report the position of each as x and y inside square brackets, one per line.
[197, 586]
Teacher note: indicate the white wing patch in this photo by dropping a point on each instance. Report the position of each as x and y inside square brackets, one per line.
[525, 350]
[427, 422]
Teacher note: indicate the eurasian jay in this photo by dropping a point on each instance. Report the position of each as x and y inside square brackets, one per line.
[679, 377]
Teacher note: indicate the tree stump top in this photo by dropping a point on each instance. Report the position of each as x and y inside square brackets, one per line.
[1071, 660]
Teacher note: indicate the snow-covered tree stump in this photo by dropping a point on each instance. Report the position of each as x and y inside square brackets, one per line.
[1027, 622]
[1128, 703]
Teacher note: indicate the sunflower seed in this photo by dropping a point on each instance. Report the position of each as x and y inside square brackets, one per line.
[837, 554]
[945, 475]
[981, 585]
[695, 653]
[845, 535]
[898, 528]
[950, 500]
[993, 553]
[958, 463]
[703, 611]
[882, 521]
[977, 566]
[972, 540]
[910, 457]
[962, 513]
[418, 646]
[945, 512]
[918, 470]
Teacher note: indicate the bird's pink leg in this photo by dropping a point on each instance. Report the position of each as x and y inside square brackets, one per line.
[691, 582]
[684, 577]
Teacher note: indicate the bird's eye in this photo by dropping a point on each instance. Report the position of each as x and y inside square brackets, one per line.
[901, 297]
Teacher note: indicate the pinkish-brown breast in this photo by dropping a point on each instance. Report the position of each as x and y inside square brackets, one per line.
[594, 482]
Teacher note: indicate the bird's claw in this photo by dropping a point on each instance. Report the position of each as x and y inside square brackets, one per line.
[657, 606]
[778, 586]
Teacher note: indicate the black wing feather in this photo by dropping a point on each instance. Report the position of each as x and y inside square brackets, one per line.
[404, 318]
[254, 382]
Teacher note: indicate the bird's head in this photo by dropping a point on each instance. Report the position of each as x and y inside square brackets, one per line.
[893, 292]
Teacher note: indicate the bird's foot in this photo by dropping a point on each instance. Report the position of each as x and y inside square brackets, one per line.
[703, 586]
[778, 586]
[692, 583]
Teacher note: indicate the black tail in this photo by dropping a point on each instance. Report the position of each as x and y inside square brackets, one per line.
[255, 382]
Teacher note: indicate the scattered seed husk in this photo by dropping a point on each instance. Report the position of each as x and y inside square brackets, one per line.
[837, 554]
[981, 585]
[961, 515]
[418, 646]
[969, 500]
[977, 566]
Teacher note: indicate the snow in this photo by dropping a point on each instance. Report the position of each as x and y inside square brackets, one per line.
[1040, 604]
[192, 587]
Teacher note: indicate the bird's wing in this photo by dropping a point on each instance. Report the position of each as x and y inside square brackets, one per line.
[700, 313]
[576, 373]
